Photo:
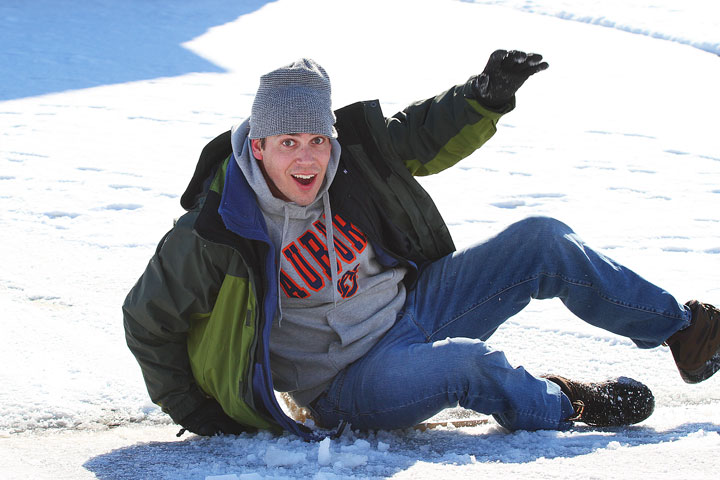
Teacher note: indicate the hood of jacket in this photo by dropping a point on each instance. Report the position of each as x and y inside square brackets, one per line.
[250, 168]
[284, 219]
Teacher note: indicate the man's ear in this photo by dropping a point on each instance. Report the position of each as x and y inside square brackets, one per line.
[256, 148]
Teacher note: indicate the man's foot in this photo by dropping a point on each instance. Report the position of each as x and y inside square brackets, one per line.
[613, 403]
[696, 349]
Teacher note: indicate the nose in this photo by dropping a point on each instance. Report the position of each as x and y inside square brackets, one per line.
[305, 154]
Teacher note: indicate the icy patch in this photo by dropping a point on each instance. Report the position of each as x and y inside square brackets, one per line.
[276, 457]
[350, 456]
[509, 204]
[123, 206]
[350, 460]
[61, 214]
[123, 187]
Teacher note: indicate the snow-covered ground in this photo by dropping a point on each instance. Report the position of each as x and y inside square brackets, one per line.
[106, 105]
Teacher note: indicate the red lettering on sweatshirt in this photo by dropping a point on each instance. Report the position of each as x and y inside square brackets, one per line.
[314, 257]
[343, 251]
[318, 250]
[303, 268]
[291, 289]
[351, 233]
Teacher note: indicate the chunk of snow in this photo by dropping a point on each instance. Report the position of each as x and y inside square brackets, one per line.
[349, 460]
[324, 452]
[276, 457]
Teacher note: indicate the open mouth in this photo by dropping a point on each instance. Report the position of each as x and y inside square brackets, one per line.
[304, 179]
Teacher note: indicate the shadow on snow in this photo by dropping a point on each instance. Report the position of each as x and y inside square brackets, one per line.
[244, 454]
[56, 45]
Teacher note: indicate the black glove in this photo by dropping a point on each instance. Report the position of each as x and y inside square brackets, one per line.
[504, 73]
[209, 419]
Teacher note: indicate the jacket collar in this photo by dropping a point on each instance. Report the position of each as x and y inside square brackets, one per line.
[238, 207]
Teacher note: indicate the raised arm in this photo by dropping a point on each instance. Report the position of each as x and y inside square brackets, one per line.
[434, 134]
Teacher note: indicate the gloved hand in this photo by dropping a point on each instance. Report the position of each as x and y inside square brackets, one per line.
[209, 419]
[504, 73]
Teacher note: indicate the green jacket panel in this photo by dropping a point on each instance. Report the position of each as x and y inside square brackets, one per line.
[180, 284]
[220, 346]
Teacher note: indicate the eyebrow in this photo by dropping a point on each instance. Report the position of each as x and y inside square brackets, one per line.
[295, 135]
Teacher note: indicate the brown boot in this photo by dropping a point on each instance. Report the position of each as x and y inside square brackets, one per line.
[613, 403]
[696, 349]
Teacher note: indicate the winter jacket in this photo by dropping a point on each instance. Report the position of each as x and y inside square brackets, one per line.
[198, 320]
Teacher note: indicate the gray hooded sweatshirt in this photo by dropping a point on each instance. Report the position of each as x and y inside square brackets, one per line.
[327, 317]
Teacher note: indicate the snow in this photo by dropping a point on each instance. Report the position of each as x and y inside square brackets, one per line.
[104, 112]
[694, 23]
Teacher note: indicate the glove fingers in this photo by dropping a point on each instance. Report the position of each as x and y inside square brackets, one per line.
[534, 59]
[536, 64]
[209, 419]
[495, 61]
[537, 68]
[523, 63]
[220, 426]
[516, 56]
[498, 55]
[233, 428]
[206, 429]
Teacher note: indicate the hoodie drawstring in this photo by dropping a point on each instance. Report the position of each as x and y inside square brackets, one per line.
[286, 223]
[331, 245]
[330, 237]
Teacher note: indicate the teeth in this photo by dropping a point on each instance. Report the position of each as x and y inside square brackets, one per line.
[304, 177]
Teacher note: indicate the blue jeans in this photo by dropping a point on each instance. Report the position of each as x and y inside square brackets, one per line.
[435, 356]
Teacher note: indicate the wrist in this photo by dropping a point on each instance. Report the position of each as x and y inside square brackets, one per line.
[500, 102]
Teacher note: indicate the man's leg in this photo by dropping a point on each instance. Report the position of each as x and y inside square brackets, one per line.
[405, 380]
[472, 292]
[414, 372]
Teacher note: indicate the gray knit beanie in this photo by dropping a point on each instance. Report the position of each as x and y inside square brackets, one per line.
[293, 99]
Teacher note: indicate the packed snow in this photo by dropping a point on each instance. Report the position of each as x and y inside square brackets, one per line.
[105, 106]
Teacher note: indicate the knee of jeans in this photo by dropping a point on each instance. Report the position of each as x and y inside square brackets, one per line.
[540, 226]
[544, 234]
[464, 353]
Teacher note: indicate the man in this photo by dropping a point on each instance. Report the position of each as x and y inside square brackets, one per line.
[311, 262]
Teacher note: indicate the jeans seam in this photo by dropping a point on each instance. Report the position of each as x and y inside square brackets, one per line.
[417, 325]
[527, 413]
[497, 293]
[334, 403]
[566, 279]
[543, 418]
[335, 410]
[415, 402]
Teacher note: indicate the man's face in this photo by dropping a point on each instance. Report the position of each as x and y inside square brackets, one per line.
[294, 165]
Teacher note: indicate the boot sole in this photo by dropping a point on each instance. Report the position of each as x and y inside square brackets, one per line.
[703, 373]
